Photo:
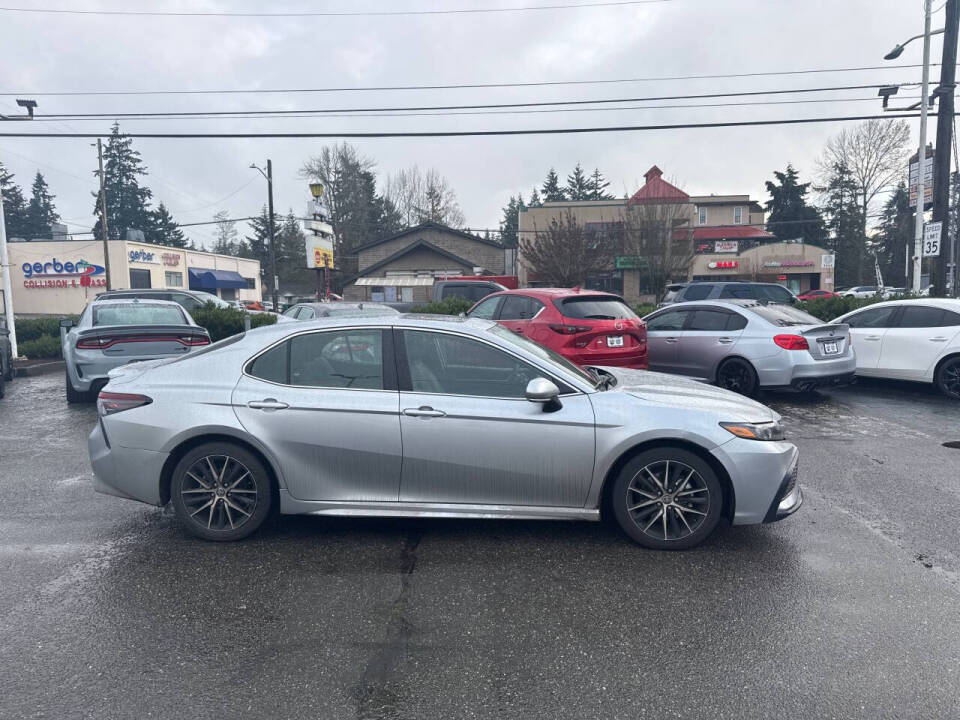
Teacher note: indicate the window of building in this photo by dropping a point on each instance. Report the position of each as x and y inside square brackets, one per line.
[228, 293]
[173, 279]
[251, 283]
[738, 215]
[139, 279]
[702, 219]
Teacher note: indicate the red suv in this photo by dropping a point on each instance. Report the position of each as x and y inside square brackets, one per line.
[585, 326]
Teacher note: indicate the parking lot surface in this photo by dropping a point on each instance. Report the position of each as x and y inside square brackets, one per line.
[851, 608]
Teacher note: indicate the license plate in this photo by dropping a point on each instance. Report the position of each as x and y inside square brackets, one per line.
[615, 341]
[830, 348]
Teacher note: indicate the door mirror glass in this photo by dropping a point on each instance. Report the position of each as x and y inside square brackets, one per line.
[66, 323]
[541, 390]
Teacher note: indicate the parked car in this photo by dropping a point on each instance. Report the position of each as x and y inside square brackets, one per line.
[310, 311]
[816, 295]
[585, 326]
[253, 305]
[743, 345]
[111, 333]
[468, 289]
[189, 300]
[670, 292]
[492, 426]
[916, 340]
[6, 356]
[770, 292]
[860, 291]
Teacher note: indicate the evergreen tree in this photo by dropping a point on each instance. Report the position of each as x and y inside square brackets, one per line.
[789, 214]
[41, 213]
[842, 211]
[164, 229]
[552, 192]
[14, 206]
[895, 237]
[578, 185]
[534, 200]
[258, 244]
[225, 242]
[510, 224]
[128, 204]
[598, 186]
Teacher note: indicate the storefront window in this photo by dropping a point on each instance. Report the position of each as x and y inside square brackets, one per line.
[173, 279]
[139, 279]
[228, 293]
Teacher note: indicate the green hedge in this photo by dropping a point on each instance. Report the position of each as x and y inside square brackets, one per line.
[44, 346]
[223, 322]
[35, 328]
[644, 309]
[448, 306]
[833, 307]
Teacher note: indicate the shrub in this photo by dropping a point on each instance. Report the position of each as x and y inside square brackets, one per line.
[448, 306]
[44, 346]
[35, 328]
[223, 322]
[833, 307]
[644, 309]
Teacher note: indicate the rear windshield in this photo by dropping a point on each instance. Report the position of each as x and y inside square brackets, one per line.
[594, 308]
[138, 314]
[783, 315]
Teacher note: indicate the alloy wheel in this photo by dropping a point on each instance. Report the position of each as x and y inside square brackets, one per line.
[950, 378]
[735, 376]
[668, 500]
[219, 493]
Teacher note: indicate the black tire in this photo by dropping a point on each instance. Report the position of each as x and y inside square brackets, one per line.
[691, 516]
[3, 389]
[238, 499]
[738, 376]
[8, 375]
[947, 379]
[78, 396]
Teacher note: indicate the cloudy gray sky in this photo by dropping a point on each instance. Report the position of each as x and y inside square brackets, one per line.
[44, 53]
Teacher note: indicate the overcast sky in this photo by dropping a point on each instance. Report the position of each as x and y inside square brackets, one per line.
[196, 178]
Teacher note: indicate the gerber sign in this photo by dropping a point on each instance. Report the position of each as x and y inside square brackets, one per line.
[56, 274]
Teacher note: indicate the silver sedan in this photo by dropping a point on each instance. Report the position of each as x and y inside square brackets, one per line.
[111, 333]
[743, 345]
[433, 416]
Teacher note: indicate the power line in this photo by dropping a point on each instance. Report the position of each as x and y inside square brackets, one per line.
[504, 112]
[458, 86]
[471, 133]
[481, 106]
[301, 14]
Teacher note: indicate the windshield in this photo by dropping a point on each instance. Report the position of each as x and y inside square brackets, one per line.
[595, 308]
[138, 314]
[543, 353]
[783, 315]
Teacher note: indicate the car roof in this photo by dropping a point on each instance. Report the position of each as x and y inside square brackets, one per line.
[555, 293]
[346, 306]
[943, 303]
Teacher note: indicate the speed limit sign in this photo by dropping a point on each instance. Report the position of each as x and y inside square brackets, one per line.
[931, 239]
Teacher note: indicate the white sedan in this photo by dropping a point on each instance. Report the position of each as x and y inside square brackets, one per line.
[860, 291]
[916, 340]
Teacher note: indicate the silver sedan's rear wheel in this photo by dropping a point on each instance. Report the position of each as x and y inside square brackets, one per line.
[739, 376]
[220, 491]
[667, 499]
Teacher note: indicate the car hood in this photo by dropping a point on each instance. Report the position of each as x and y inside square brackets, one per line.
[679, 392]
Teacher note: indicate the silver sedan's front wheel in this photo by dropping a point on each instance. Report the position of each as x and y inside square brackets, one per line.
[220, 491]
[667, 499]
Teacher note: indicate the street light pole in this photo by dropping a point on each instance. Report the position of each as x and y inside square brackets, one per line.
[7, 291]
[922, 155]
[103, 216]
[275, 284]
[945, 265]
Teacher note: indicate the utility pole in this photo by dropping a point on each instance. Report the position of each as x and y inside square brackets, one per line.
[7, 291]
[103, 216]
[946, 262]
[273, 244]
[922, 155]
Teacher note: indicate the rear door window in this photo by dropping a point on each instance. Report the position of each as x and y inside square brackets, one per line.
[920, 316]
[775, 293]
[347, 359]
[873, 318]
[594, 308]
[950, 319]
[697, 291]
[671, 320]
[519, 307]
[738, 292]
[709, 321]
[486, 310]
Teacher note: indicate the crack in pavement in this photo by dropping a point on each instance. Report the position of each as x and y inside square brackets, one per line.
[375, 697]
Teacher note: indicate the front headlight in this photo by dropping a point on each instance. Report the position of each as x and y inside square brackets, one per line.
[755, 431]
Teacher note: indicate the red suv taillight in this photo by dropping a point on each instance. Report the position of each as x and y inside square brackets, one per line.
[109, 403]
[569, 329]
[791, 342]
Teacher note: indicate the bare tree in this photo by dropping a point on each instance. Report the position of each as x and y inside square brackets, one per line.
[659, 236]
[226, 234]
[565, 253]
[422, 196]
[875, 153]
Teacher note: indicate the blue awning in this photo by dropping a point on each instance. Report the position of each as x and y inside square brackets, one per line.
[206, 279]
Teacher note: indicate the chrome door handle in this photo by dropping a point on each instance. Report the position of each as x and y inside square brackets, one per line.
[872, 337]
[268, 404]
[671, 339]
[938, 339]
[423, 411]
[725, 340]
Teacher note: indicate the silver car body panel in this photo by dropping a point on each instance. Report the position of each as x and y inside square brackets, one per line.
[344, 452]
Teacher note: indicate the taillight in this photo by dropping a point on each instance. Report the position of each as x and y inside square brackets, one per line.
[109, 403]
[569, 329]
[93, 343]
[791, 342]
[193, 340]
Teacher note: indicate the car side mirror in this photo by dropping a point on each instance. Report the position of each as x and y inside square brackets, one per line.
[543, 392]
[66, 323]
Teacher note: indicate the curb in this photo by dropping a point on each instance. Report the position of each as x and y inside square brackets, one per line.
[40, 368]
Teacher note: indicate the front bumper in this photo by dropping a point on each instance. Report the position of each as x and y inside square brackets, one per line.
[789, 496]
[124, 472]
[758, 470]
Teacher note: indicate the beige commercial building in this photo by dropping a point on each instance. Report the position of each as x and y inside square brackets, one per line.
[795, 265]
[58, 277]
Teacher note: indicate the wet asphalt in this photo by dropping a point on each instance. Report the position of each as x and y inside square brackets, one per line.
[849, 609]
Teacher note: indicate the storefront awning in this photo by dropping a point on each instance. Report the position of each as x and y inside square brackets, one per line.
[207, 279]
[395, 281]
